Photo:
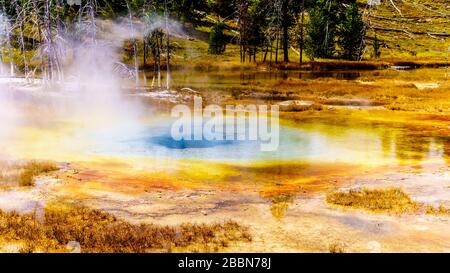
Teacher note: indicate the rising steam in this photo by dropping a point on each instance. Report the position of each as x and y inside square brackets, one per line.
[88, 90]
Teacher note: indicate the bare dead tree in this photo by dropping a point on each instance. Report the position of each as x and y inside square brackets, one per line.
[21, 9]
[302, 27]
[8, 29]
[154, 43]
[395, 7]
[166, 16]
[91, 11]
[135, 47]
[242, 22]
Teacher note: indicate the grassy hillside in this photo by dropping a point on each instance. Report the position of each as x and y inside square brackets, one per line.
[413, 33]
[408, 31]
[399, 29]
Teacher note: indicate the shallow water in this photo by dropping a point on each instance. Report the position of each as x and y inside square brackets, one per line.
[324, 140]
[215, 80]
[125, 162]
[316, 142]
[49, 127]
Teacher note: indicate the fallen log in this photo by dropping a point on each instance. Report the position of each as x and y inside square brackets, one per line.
[442, 34]
[395, 7]
[389, 18]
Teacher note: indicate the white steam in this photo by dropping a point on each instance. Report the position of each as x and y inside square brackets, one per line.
[90, 95]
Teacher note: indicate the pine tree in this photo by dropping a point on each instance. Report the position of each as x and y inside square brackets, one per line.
[376, 48]
[222, 8]
[217, 40]
[321, 30]
[351, 33]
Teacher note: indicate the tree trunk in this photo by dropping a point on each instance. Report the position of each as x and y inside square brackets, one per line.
[8, 42]
[8, 45]
[20, 17]
[167, 46]
[2, 72]
[285, 32]
[93, 26]
[271, 51]
[135, 49]
[159, 59]
[286, 44]
[265, 53]
[301, 31]
[145, 50]
[276, 48]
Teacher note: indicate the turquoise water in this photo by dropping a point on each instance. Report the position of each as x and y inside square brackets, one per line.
[311, 141]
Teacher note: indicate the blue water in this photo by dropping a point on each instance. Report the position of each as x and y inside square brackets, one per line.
[314, 141]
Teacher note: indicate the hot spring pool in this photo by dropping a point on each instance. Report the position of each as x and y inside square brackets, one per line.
[310, 141]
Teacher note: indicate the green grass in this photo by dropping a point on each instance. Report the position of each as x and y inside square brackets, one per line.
[417, 16]
[397, 47]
